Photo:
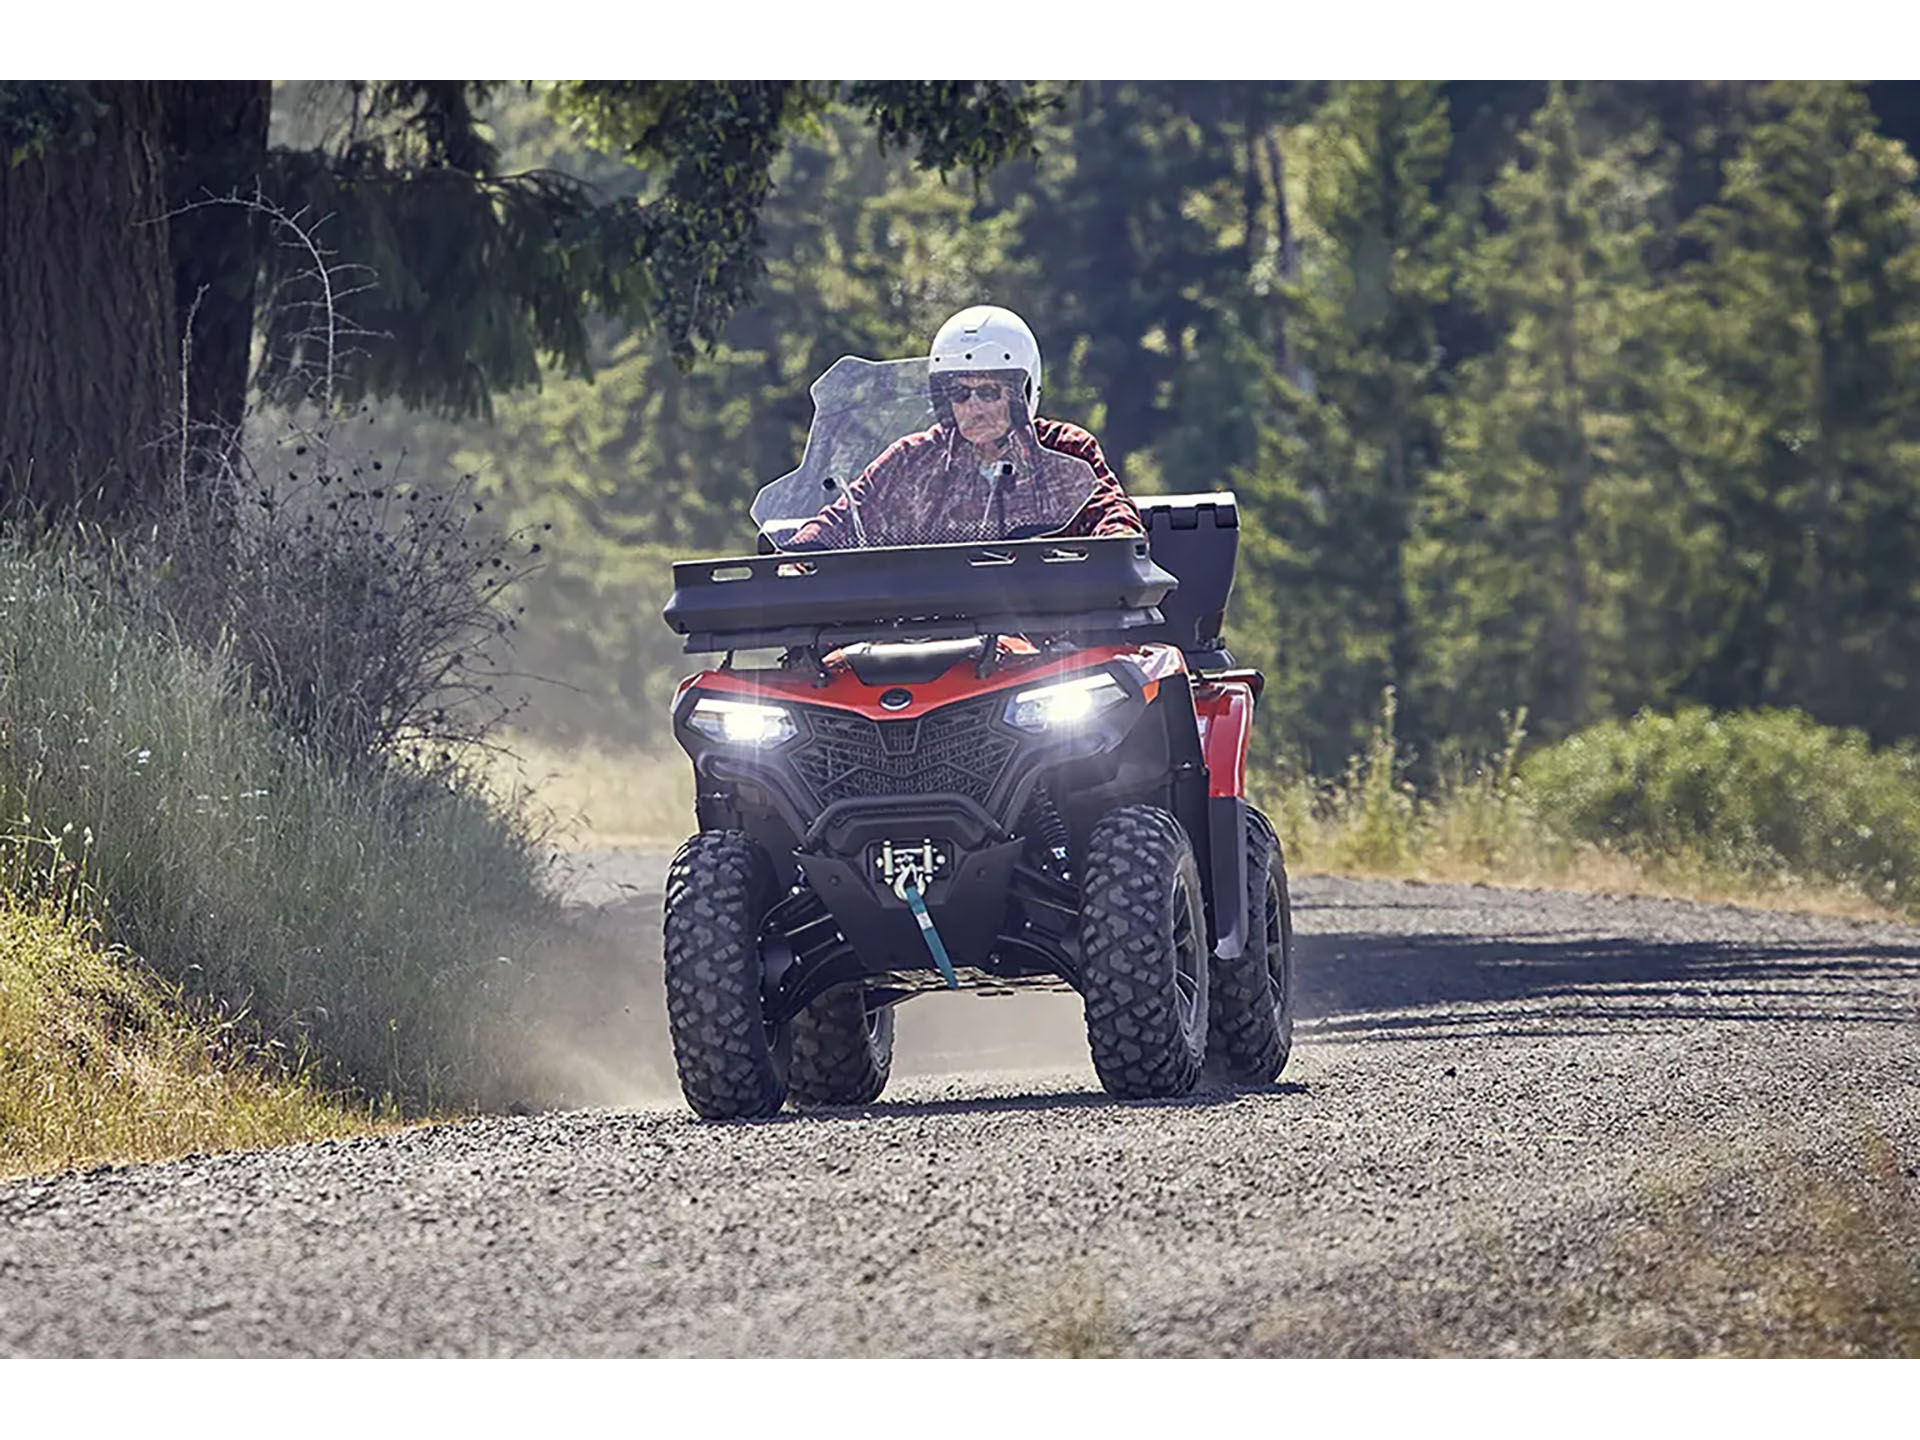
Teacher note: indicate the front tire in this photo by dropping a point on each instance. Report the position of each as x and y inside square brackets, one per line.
[1251, 1027]
[842, 1049]
[1143, 954]
[732, 1064]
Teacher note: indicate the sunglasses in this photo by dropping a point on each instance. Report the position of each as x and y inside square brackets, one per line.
[986, 394]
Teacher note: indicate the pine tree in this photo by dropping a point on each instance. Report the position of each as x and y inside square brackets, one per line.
[1521, 559]
[1799, 428]
[1335, 492]
[480, 275]
[88, 359]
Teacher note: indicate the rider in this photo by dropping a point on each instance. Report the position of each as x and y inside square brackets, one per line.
[961, 479]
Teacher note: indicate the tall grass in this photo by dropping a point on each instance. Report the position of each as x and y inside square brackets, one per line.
[376, 918]
[1373, 820]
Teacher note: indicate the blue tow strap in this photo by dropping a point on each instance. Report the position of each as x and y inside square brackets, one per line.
[928, 933]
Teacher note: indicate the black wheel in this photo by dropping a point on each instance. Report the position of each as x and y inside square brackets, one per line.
[1143, 954]
[732, 1064]
[1251, 1025]
[842, 1050]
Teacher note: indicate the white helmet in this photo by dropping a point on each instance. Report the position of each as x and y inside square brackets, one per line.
[987, 337]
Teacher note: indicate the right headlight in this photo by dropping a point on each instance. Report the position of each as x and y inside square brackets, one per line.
[1064, 705]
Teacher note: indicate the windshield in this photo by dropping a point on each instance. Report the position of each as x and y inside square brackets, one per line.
[892, 461]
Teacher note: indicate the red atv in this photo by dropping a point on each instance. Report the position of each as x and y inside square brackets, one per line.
[998, 761]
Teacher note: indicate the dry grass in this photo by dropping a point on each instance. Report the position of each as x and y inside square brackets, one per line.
[593, 796]
[1770, 1264]
[1478, 824]
[1736, 1255]
[1074, 1319]
[101, 1064]
[1593, 870]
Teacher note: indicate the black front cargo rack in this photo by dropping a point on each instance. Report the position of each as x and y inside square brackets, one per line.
[824, 598]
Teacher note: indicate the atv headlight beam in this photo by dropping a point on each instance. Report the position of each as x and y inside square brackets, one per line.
[741, 722]
[1065, 705]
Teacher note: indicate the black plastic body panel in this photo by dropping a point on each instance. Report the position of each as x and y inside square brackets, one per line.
[967, 905]
[1227, 830]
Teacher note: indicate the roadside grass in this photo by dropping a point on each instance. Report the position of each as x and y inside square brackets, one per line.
[393, 924]
[1729, 1254]
[1769, 1263]
[102, 1062]
[1712, 808]
[1074, 1319]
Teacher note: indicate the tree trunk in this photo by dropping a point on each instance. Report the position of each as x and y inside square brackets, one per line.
[1569, 647]
[1289, 262]
[216, 147]
[88, 366]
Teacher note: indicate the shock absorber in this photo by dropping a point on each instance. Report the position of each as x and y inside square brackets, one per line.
[1049, 831]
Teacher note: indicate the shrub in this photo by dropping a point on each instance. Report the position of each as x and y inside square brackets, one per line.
[362, 608]
[1769, 793]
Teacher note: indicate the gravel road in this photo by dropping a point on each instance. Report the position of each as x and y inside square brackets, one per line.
[1515, 1123]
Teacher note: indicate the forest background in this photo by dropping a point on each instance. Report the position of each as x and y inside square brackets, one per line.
[1585, 398]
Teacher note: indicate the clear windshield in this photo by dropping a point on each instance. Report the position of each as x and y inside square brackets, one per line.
[893, 460]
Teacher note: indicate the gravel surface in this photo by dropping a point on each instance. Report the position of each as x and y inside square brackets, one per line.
[1514, 1123]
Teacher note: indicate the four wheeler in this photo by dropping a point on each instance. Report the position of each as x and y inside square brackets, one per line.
[1008, 760]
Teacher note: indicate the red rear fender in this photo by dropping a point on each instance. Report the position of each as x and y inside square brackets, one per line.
[1224, 708]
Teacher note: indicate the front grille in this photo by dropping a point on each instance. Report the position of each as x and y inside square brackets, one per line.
[956, 749]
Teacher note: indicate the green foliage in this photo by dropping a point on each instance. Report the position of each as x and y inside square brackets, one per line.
[1336, 487]
[36, 114]
[648, 461]
[452, 286]
[1545, 496]
[1519, 442]
[1794, 423]
[1598, 395]
[1374, 804]
[1770, 793]
[717, 144]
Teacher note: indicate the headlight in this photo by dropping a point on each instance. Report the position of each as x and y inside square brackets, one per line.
[1065, 705]
[740, 722]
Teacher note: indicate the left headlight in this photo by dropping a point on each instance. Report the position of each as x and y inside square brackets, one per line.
[741, 722]
[1064, 705]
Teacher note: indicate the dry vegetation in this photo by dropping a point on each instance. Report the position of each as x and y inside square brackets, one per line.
[1750, 1256]
[101, 1062]
[594, 796]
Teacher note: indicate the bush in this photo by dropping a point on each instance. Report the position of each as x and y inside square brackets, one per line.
[364, 609]
[378, 917]
[1768, 793]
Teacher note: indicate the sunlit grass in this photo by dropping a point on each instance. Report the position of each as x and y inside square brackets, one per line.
[1477, 825]
[1495, 821]
[102, 1063]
